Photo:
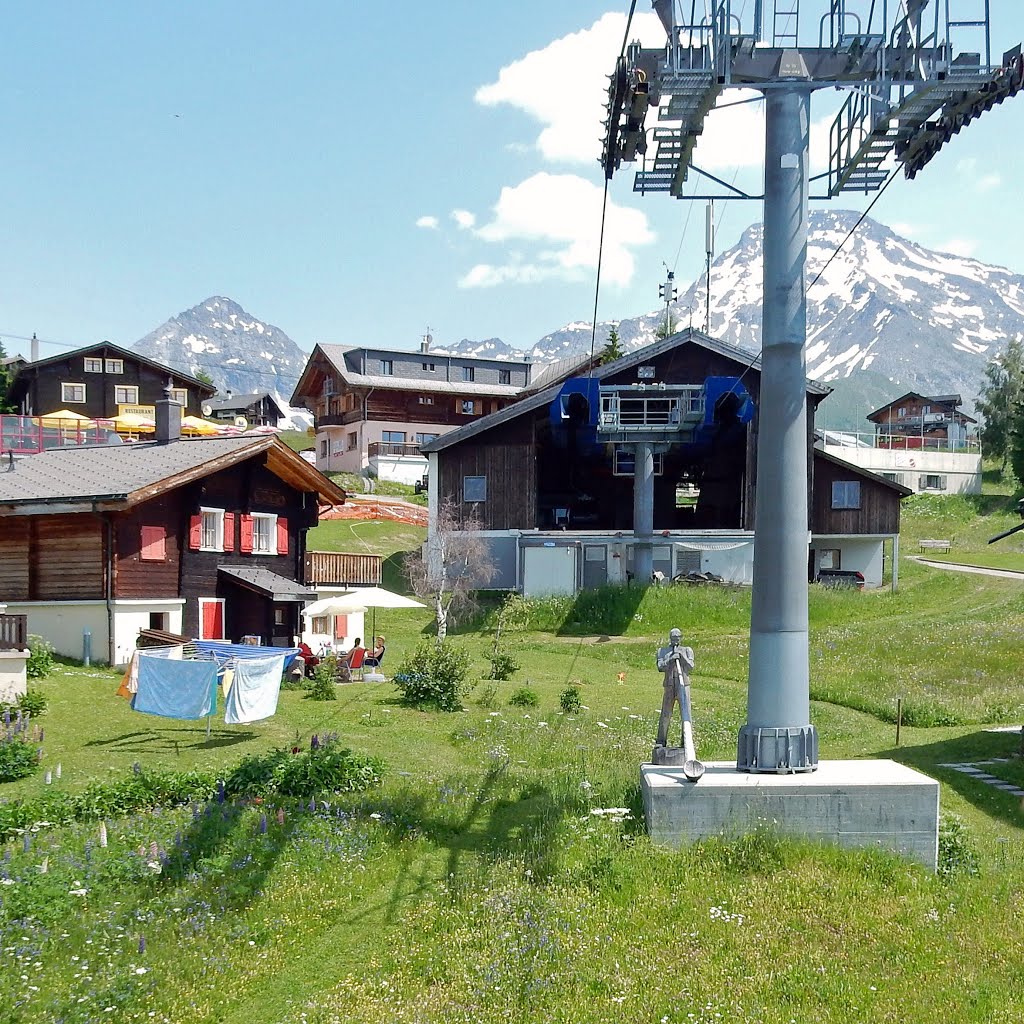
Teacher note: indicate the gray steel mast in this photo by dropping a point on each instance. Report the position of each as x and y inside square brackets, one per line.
[910, 92]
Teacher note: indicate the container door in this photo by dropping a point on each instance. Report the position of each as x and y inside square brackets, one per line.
[549, 571]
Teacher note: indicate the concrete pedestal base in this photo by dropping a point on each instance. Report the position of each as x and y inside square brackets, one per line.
[852, 803]
[13, 679]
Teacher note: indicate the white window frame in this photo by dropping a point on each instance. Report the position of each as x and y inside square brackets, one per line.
[132, 388]
[430, 367]
[93, 364]
[399, 438]
[65, 400]
[830, 558]
[471, 410]
[468, 374]
[321, 625]
[846, 494]
[180, 395]
[114, 365]
[477, 480]
[351, 441]
[270, 518]
[217, 521]
[387, 367]
[504, 376]
[425, 399]
[223, 615]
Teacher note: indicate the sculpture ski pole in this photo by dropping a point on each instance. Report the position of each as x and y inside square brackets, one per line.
[692, 768]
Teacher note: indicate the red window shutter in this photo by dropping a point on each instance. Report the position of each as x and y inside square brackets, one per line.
[340, 627]
[246, 546]
[282, 535]
[195, 532]
[229, 531]
[152, 544]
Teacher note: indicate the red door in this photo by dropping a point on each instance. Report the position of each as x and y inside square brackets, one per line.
[211, 619]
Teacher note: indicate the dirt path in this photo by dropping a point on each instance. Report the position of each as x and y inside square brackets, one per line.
[979, 570]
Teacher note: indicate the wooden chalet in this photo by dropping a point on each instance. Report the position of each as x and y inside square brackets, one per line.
[258, 410]
[557, 502]
[915, 417]
[101, 382]
[204, 537]
[374, 408]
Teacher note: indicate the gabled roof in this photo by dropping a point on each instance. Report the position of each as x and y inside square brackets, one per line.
[242, 401]
[641, 355]
[861, 471]
[953, 400]
[124, 353]
[111, 477]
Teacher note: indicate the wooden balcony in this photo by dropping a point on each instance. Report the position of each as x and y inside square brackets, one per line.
[336, 568]
[13, 632]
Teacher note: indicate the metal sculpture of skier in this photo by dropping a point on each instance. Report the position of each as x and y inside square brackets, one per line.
[676, 662]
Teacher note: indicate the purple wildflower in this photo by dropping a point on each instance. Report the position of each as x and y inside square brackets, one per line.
[142, 944]
[314, 743]
[263, 824]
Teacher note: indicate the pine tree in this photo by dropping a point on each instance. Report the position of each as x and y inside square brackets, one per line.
[613, 347]
[1000, 401]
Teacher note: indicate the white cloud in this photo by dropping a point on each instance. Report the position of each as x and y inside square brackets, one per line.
[427, 221]
[463, 218]
[556, 219]
[987, 182]
[969, 172]
[959, 246]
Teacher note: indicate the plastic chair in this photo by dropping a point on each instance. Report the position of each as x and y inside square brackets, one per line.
[355, 661]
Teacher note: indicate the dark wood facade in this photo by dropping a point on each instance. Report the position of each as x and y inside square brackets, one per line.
[878, 501]
[56, 558]
[533, 476]
[44, 386]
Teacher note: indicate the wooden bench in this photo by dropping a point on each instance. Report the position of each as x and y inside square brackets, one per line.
[935, 545]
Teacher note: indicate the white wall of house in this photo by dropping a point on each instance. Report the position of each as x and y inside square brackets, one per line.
[861, 553]
[130, 617]
[355, 625]
[402, 469]
[343, 458]
[957, 472]
[62, 623]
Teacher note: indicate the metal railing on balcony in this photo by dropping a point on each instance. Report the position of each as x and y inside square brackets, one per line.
[29, 435]
[393, 449]
[900, 442]
[13, 632]
[339, 568]
[630, 408]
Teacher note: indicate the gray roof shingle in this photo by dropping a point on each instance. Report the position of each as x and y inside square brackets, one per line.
[275, 586]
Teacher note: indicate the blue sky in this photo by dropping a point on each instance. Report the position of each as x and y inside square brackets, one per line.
[355, 173]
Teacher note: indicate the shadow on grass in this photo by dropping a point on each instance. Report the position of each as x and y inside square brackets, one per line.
[968, 749]
[152, 741]
[992, 504]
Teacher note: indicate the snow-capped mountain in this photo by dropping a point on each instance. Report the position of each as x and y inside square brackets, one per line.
[886, 316]
[238, 351]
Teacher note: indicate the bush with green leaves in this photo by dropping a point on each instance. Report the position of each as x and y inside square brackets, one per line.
[503, 665]
[324, 768]
[524, 697]
[570, 700]
[32, 702]
[40, 657]
[18, 757]
[324, 684]
[434, 676]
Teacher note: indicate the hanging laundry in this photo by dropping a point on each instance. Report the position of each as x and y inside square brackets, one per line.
[227, 677]
[130, 680]
[254, 690]
[176, 689]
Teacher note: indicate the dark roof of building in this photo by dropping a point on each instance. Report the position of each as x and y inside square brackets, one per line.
[954, 400]
[232, 402]
[118, 476]
[634, 358]
[123, 353]
[263, 581]
[861, 471]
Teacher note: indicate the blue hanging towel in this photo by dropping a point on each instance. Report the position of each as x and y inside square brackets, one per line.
[254, 690]
[176, 689]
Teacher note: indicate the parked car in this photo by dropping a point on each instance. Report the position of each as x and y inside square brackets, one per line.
[841, 578]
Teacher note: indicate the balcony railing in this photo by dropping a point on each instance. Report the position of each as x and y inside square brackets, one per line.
[640, 409]
[340, 569]
[900, 442]
[29, 435]
[393, 449]
[13, 632]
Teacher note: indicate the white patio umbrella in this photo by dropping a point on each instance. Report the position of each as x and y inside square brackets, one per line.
[378, 597]
[342, 604]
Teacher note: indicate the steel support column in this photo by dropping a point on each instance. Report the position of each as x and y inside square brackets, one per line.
[643, 512]
[778, 736]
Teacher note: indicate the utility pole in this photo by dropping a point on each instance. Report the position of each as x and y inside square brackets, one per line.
[668, 294]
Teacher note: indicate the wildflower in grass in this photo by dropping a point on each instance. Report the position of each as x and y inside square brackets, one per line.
[263, 824]
[280, 815]
[314, 743]
[142, 944]
[103, 833]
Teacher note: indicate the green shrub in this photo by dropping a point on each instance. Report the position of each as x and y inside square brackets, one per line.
[503, 665]
[323, 686]
[434, 676]
[32, 702]
[570, 700]
[524, 697]
[18, 758]
[40, 658]
[957, 851]
[487, 696]
[327, 768]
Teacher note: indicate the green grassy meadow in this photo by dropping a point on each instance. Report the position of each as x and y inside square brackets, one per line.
[478, 884]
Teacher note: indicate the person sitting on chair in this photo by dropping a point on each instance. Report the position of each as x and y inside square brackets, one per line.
[354, 658]
[376, 656]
